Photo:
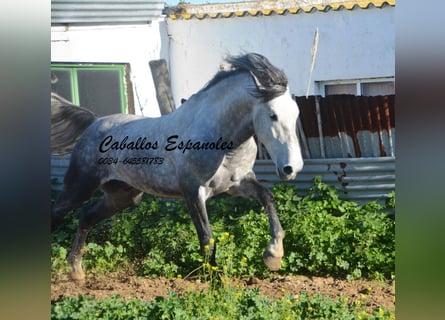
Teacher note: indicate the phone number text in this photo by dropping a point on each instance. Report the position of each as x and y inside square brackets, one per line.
[132, 161]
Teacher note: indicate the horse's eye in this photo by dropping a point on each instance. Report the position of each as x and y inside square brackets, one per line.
[274, 117]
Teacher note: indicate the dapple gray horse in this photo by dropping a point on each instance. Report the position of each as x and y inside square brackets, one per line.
[204, 148]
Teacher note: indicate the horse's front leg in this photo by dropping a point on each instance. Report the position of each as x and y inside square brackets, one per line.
[197, 208]
[251, 188]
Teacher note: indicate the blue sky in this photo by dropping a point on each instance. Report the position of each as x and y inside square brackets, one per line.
[175, 2]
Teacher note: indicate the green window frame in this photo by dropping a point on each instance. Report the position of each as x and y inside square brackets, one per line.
[74, 73]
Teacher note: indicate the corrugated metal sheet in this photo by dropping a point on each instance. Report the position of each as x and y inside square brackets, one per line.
[361, 180]
[104, 11]
[352, 126]
[59, 165]
[267, 8]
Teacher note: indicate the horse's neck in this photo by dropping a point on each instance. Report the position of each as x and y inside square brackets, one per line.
[227, 109]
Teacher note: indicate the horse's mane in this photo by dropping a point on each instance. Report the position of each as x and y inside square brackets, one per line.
[270, 81]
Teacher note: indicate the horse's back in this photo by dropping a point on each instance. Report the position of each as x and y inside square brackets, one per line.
[126, 148]
[114, 120]
[172, 170]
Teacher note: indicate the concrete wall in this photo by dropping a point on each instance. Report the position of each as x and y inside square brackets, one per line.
[132, 44]
[353, 44]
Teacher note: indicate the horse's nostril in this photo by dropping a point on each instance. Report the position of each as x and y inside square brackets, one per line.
[288, 170]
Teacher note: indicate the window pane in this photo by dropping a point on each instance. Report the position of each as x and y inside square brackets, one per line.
[61, 83]
[378, 88]
[100, 91]
[350, 88]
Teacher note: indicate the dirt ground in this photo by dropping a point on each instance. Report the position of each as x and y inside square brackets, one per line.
[370, 293]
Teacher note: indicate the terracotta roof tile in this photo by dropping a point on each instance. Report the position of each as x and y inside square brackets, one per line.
[243, 9]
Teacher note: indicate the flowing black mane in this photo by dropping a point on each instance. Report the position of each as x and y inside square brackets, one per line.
[270, 81]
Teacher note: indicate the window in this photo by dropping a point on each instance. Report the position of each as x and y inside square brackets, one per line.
[98, 87]
[383, 88]
[364, 87]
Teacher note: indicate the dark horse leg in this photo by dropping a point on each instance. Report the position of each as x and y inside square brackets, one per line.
[197, 208]
[77, 188]
[117, 196]
[251, 188]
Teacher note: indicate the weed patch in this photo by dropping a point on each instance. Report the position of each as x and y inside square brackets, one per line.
[219, 304]
[325, 236]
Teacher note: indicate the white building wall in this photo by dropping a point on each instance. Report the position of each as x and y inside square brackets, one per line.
[132, 44]
[352, 44]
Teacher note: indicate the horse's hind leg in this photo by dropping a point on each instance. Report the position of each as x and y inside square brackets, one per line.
[251, 188]
[117, 196]
[75, 191]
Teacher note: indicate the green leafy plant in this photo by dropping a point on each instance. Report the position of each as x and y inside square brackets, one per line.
[325, 235]
[58, 259]
[222, 303]
[102, 258]
[329, 236]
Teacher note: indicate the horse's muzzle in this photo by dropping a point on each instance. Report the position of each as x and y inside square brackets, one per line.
[287, 174]
[288, 171]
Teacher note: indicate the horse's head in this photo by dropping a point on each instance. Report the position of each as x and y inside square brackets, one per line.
[275, 126]
[274, 113]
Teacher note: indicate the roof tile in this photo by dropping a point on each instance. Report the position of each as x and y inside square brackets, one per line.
[187, 11]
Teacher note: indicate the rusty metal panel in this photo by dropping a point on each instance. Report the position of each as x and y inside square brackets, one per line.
[352, 126]
[105, 11]
[359, 179]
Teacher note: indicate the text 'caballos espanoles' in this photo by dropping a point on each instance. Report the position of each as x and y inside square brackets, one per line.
[172, 143]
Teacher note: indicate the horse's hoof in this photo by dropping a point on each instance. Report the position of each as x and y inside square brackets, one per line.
[77, 276]
[273, 263]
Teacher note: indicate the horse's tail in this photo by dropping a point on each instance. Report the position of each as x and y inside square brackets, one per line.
[68, 122]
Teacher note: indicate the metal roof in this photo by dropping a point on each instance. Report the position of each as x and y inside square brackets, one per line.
[105, 11]
[268, 8]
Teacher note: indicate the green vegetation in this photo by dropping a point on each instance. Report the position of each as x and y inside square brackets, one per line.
[217, 304]
[324, 236]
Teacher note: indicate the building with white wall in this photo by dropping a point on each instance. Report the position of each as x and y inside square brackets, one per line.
[347, 128]
[355, 41]
[100, 54]
[92, 38]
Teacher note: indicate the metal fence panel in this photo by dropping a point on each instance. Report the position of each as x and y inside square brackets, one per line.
[104, 11]
[361, 179]
[351, 126]
[358, 179]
